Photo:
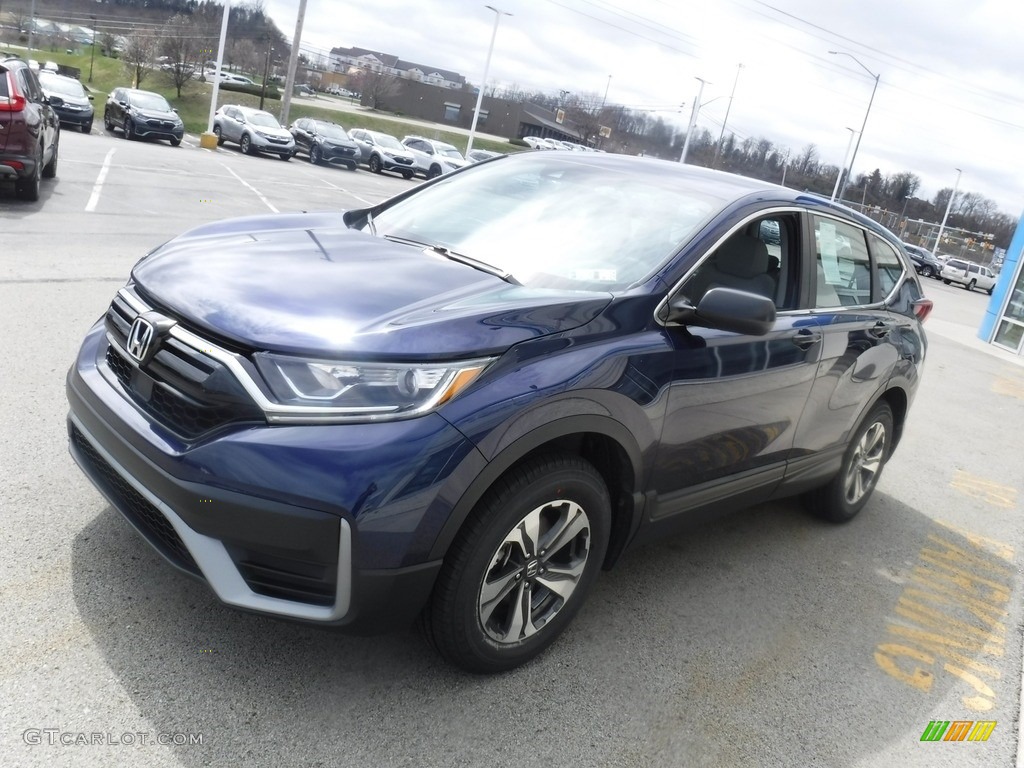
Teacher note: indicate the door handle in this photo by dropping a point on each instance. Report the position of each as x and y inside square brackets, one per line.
[880, 329]
[804, 338]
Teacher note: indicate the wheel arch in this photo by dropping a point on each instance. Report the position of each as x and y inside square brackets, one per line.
[899, 403]
[603, 442]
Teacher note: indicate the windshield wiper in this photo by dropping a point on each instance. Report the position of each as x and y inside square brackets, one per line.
[462, 258]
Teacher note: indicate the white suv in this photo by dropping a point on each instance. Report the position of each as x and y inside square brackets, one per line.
[969, 275]
[434, 157]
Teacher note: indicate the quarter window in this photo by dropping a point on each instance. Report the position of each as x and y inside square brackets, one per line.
[888, 268]
[842, 264]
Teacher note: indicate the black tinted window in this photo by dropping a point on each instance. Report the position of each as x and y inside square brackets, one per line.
[888, 267]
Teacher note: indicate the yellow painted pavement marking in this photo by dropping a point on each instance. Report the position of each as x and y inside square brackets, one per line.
[997, 495]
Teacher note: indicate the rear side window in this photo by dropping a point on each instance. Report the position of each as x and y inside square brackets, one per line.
[5, 92]
[843, 266]
[888, 267]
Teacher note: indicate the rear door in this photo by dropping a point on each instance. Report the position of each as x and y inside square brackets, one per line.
[854, 271]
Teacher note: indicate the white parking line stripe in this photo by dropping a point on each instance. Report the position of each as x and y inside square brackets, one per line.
[255, 191]
[94, 199]
[350, 194]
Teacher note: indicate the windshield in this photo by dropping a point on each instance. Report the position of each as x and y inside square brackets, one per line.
[447, 151]
[152, 101]
[62, 85]
[552, 222]
[331, 131]
[264, 119]
[387, 141]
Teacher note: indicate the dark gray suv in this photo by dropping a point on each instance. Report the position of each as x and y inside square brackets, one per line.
[29, 129]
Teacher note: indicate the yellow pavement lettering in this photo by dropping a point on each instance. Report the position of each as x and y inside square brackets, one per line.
[995, 547]
[950, 620]
[992, 493]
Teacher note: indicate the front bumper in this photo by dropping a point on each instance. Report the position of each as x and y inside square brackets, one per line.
[263, 144]
[155, 129]
[309, 523]
[76, 117]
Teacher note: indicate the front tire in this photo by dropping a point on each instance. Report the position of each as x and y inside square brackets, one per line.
[521, 566]
[87, 127]
[314, 155]
[375, 164]
[846, 494]
[945, 281]
[246, 145]
[407, 175]
[129, 129]
[927, 272]
[989, 291]
[434, 172]
[175, 141]
[217, 133]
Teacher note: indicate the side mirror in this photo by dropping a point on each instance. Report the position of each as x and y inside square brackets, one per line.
[726, 309]
[91, 97]
[174, 110]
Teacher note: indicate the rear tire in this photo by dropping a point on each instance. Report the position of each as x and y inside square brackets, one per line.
[28, 188]
[521, 566]
[50, 169]
[971, 284]
[845, 495]
[944, 280]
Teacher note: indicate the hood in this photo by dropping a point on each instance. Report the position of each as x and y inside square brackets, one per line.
[56, 99]
[282, 133]
[311, 286]
[156, 114]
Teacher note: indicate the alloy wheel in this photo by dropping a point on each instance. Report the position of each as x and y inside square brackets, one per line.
[865, 463]
[534, 571]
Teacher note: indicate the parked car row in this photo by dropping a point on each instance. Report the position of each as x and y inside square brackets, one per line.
[323, 141]
[536, 142]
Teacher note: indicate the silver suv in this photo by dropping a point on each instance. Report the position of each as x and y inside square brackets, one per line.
[969, 275]
[253, 130]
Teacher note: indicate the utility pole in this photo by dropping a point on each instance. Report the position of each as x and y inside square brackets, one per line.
[498, 13]
[721, 135]
[293, 63]
[693, 119]
[945, 216]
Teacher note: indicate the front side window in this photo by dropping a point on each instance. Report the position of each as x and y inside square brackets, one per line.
[842, 264]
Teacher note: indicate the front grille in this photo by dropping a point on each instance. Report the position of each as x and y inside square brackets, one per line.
[185, 390]
[133, 505]
[404, 160]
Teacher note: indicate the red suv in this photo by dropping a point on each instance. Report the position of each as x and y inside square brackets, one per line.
[29, 129]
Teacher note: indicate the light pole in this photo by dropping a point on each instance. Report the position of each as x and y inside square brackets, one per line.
[903, 214]
[721, 134]
[871, 101]
[266, 74]
[945, 216]
[605, 99]
[483, 81]
[92, 53]
[693, 119]
[842, 170]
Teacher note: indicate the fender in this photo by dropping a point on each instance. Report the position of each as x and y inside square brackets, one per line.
[515, 447]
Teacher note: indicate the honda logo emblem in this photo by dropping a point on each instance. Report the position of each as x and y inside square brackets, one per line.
[140, 339]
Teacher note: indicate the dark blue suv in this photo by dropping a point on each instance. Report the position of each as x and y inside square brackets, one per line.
[460, 404]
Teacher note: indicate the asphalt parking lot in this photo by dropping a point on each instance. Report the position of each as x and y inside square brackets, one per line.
[767, 638]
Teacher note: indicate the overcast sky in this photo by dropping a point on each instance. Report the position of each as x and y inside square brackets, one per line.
[951, 91]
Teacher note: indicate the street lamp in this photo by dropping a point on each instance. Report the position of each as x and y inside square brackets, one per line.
[842, 170]
[945, 216]
[849, 173]
[483, 81]
[92, 53]
[693, 119]
[266, 74]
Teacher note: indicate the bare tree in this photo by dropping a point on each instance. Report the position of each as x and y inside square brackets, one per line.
[108, 42]
[139, 51]
[180, 43]
[375, 87]
[243, 55]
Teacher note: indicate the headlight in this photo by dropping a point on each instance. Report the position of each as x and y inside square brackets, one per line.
[365, 391]
[262, 134]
